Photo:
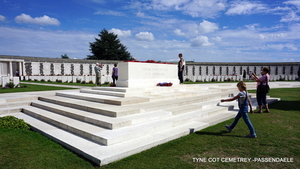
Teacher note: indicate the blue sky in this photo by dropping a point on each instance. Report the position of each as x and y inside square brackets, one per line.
[203, 30]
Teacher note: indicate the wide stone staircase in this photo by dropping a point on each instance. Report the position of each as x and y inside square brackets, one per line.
[105, 124]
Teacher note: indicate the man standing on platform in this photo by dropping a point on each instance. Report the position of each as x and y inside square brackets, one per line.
[181, 65]
[98, 74]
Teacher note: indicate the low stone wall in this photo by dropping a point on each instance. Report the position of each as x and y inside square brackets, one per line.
[194, 71]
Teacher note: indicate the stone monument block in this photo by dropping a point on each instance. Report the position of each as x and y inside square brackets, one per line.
[136, 74]
[4, 80]
[16, 81]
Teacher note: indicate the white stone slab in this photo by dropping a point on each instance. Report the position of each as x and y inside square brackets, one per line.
[4, 81]
[16, 81]
[134, 74]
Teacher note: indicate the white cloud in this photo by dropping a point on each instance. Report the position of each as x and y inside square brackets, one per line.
[206, 9]
[167, 4]
[145, 36]
[194, 8]
[206, 27]
[44, 20]
[290, 17]
[272, 36]
[282, 46]
[218, 39]
[2, 18]
[291, 46]
[245, 7]
[178, 32]
[121, 33]
[113, 13]
[293, 2]
[140, 14]
[200, 41]
[191, 29]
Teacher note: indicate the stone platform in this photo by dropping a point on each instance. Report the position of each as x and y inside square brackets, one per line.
[105, 124]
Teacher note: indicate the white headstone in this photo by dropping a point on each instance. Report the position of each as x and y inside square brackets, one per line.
[16, 81]
[4, 80]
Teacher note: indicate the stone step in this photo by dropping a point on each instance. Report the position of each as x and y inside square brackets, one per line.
[109, 93]
[95, 133]
[102, 155]
[217, 118]
[9, 110]
[147, 116]
[21, 98]
[195, 115]
[194, 106]
[15, 104]
[168, 112]
[115, 93]
[164, 105]
[99, 108]
[110, 137]
[147, 128]
[103, 99]
[152, 90]
[85, 116]
[85, 130]
[119, 89]
[2, 101]
[173, 95]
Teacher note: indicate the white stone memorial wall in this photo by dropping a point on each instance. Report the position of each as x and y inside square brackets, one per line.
[133, 74]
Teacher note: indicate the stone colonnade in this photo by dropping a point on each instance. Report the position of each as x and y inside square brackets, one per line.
[10, 70]
[12, 67]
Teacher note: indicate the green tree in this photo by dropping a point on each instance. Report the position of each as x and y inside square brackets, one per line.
[108, 47]
[65, 56]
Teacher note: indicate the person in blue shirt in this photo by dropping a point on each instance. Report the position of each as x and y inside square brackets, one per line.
[243, 101]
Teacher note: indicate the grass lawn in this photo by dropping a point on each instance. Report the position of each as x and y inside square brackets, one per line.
[31, 88]
[278, 137]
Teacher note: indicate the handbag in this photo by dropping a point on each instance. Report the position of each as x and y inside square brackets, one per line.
[263, 88]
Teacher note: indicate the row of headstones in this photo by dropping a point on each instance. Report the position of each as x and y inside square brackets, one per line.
[69, 79]
[40, 68]
[46, 68]
[108, 79]
[238, 70]
[236, 78]
[6, 80]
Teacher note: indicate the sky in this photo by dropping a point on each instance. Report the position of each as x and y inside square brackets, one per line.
[202, 30]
